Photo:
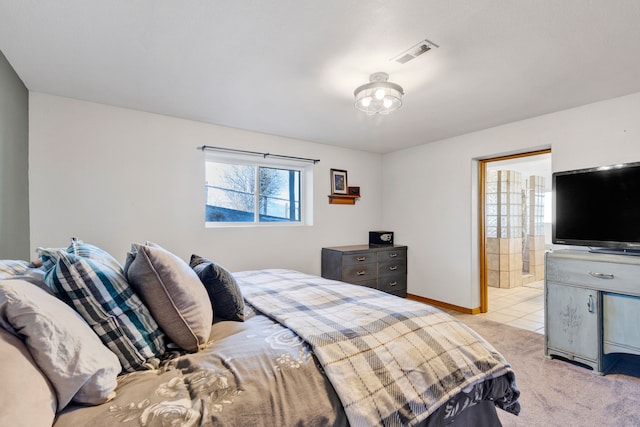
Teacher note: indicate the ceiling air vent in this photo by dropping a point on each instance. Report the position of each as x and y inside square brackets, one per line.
[414, 51]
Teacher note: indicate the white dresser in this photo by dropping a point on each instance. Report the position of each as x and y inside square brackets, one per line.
[592, 307]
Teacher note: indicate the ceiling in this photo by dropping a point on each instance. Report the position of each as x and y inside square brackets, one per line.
[289, 67]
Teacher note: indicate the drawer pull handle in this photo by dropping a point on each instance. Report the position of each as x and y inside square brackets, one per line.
[393, 283]
[361, 273]
[601, 275]
[591, 306]
[393, 255]
[361, 258]
[393, 268]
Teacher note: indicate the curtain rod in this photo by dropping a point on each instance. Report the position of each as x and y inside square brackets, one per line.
[256, 153]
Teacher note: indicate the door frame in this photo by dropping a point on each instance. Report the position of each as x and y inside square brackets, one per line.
[482, 175]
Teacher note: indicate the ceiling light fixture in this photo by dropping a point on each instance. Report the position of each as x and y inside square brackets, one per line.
[379, 96]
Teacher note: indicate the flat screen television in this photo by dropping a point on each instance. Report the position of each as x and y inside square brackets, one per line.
[598, 207]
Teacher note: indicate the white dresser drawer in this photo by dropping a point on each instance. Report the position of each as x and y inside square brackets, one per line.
[605, 276]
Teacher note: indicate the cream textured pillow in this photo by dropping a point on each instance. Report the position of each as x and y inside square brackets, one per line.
[26, 397]
[64, 347]
[173, 292]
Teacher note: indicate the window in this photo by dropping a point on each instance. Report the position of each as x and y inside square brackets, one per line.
[244, 192]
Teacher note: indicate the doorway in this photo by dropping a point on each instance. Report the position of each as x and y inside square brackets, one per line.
[515, 229]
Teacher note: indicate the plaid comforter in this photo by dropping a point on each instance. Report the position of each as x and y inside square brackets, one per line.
[392, 361]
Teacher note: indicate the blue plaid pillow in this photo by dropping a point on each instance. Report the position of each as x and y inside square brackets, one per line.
[95, 286]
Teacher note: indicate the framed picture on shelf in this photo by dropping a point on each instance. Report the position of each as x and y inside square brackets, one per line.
[338, 181]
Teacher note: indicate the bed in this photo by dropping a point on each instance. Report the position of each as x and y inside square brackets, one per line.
[295, 350]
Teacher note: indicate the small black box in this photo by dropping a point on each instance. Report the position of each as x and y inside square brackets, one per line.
[381, 238]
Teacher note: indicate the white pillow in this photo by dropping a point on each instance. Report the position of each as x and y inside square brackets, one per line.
[64, 347]
[26, 397]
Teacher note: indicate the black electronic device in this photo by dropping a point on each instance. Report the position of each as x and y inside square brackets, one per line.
[598, 207]
[382, 238]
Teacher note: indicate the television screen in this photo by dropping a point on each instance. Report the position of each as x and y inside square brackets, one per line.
[598, 207]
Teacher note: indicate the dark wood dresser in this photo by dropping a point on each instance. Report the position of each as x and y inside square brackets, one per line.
[379, 267]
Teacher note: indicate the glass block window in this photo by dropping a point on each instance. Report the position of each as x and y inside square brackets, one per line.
[503, 204]
[536, 205]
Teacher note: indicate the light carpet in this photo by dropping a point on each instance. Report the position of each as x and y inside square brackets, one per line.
[559, 393]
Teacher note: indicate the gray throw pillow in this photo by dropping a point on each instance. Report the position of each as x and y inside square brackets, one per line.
[173, 293]
[222, 288]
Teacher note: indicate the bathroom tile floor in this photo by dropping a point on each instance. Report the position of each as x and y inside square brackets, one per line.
[521, 307]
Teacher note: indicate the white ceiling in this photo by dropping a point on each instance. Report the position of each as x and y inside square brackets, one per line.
[289, 67]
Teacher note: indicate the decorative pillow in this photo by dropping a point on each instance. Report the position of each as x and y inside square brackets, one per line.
[22, 270]
[77, 247]
[26, 397]
[64, 347]
[87, 250]
[173, 293]
[97, 289]
[11, 268]
[224, 292]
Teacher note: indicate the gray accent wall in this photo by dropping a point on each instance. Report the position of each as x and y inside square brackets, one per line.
[14, 164]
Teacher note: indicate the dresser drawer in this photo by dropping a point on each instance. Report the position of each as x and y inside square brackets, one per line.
[399, 293]
[399, 255]
[358, 258]
[392, 267]
[620, 278]
[368, 283]
[393, 284]
[359, 273]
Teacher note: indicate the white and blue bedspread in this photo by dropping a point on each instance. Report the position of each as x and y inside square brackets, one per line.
[391, 360]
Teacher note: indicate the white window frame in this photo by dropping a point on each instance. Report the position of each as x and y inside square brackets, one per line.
[306, 188]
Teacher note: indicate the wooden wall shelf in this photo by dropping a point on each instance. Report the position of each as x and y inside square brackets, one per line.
[342, 199]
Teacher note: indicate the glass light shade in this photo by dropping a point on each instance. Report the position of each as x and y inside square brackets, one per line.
[378, 96]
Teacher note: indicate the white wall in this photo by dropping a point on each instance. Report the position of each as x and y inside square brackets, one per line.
[431, 197]
[113, 176]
